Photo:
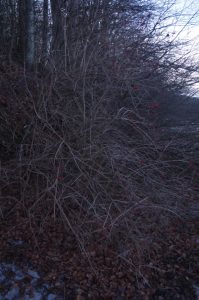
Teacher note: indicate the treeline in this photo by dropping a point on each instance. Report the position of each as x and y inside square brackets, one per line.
[131, 36]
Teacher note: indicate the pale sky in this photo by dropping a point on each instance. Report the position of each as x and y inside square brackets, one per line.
[188, 22]
[186, 28]
[184, 17]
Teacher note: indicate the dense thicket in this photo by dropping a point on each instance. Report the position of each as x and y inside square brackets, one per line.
[87, 80]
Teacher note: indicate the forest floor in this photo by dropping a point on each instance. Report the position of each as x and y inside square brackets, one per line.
[51, 265]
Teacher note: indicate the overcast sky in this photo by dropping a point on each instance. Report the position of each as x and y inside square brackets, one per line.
[185, 19]
[186, 28]
[188, 22]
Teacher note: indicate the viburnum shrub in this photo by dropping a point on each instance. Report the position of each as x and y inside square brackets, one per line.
[98, 169]
[154, 106]
[135, 88]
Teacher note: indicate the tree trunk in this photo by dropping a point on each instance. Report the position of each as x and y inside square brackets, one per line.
[58, 26]
[45, 28]
[30, 43]
[21, 31]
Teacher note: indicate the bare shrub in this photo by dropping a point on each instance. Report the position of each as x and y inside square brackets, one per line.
[99, 171]
[88, 156]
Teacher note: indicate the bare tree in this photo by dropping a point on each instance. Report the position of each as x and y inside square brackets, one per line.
[45, 28]
[21, 30]
[30, 34]
[57, 7]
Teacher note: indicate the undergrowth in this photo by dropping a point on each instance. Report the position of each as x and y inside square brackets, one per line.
[79, 149]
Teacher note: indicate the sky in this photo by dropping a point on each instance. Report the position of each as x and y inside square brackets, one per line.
[181, 24]
[186, 28]
[188, 21]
